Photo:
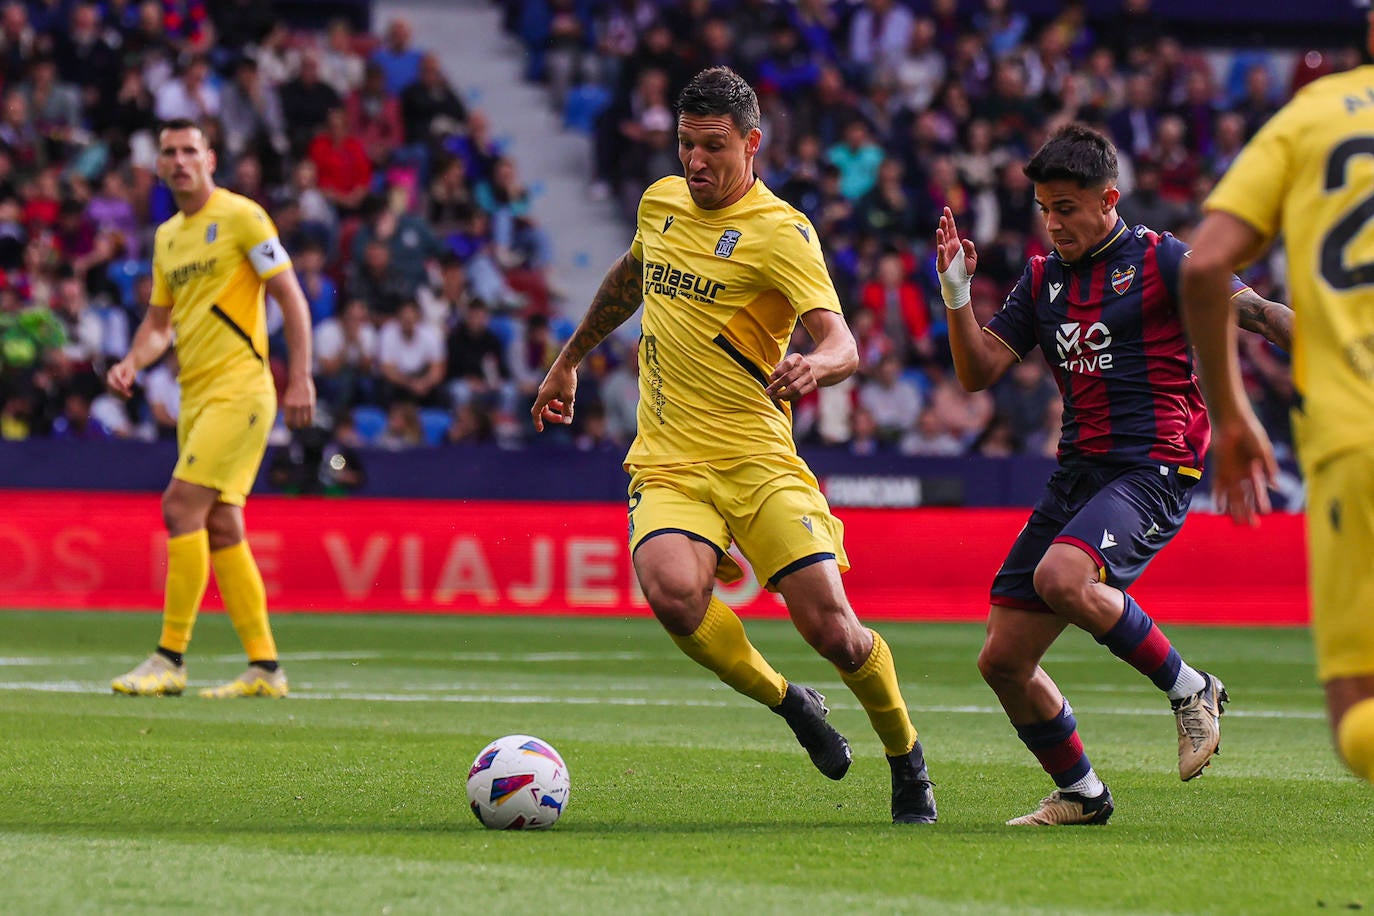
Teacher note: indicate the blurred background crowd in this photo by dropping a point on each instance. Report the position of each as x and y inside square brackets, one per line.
[419, 242]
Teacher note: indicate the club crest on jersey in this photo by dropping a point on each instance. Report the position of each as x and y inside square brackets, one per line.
[1121, 279]
[728, 240]
[211, 232]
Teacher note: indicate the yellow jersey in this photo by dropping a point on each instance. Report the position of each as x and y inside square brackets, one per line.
[210, 268]
[1310, 172]
[722, 293]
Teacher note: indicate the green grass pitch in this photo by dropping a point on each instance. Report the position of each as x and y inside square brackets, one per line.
[348, 797]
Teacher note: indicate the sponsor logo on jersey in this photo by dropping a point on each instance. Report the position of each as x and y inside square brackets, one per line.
[1083, 347]
[181, 275]
[1121, 279]
[667, 280]
[211, 232]
[728, 240]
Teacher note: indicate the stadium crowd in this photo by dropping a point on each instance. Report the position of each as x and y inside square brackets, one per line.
[415, 237]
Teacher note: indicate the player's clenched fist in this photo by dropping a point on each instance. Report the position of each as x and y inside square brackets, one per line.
[792, 378]
[120, 378]
[554, 402]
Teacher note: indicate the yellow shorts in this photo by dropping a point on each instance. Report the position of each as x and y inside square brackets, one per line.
[769, 505]
[221, 441]
[1340, 543]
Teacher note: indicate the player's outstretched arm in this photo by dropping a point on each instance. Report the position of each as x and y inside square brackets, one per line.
[1242, 458]
[979, 360]
[1272, 319]
[833, 359]
[151, 340]
[619, 296]
[298, 402]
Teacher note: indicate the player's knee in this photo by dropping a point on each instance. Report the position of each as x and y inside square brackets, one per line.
[1355, 738]
[1060, 586]
[836, 643]
[676, 601]
[1001, 666]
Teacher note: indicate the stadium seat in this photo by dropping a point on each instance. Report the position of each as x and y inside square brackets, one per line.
[369, 421]
[505, 328]
[584, 105]
[562, 328]
[124, 274]
[435, 422]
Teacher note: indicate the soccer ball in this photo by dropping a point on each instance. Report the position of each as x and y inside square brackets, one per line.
[518, 783]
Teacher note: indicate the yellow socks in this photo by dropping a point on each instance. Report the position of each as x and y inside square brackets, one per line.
[187, 574]
[245, 600]
[875, 687]
[1355, 737]
[721, 645]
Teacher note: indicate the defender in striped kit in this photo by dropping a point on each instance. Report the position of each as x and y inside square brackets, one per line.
[1103, 308]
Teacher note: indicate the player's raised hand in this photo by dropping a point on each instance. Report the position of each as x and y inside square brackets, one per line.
[120, 378]
[298, 402]
[791, 378]
[554, 402]
[1243, 468]
[948, 246]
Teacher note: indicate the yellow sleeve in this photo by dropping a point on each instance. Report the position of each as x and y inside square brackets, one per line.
[161, 295]
[796, 267]
[1253, 187]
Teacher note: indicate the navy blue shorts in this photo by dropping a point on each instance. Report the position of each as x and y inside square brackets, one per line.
[1120, 517]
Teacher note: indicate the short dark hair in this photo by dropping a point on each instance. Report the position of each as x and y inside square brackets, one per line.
[721, 91]
[182, 124]
[1075, 153]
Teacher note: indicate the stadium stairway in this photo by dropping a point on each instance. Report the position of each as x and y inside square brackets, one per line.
[486, 66]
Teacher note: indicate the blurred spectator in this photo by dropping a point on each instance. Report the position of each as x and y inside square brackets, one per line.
[403, 429]
[477, 369]
[375, 281]
[857, 158]
[346, 358]
[445, 305]
[1132, 126]
[318, 217]
[189, 95]
[450, 195]
[341, 66]
[320, 292]
[1146, 206]
[996, 440]
[519, 240]
[879, 35]
[306, 102]
[398, 60]
[374, 117]
[278, 60]
[899, 307]
[1022, 396]
[317, 461]
[1179, 167]
[892, 401]
[341, 163]
[76, 420]
[163, 393]
[964, 413]
[240, 23]
[930, 437]
[410, 353]
[429, 106]
[111, 212]
[620, 394]
[412, 245]
[252, 116]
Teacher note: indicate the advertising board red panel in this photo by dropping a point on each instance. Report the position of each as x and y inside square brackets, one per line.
[74, 550]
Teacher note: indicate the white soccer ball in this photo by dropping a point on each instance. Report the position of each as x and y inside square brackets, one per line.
[518, 782]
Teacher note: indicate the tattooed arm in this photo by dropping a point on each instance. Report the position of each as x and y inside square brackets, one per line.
[620, 294]
[1274, 320]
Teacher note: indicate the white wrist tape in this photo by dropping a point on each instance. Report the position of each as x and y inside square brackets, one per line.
[954, 283]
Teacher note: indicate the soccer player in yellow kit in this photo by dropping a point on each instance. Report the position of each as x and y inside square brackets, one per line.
[725, 269]
[1310, 173]
[212, 262]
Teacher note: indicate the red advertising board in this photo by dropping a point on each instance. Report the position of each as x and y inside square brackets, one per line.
[96, 550]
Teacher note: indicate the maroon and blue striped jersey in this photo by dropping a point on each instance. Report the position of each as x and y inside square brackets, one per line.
[1110, 328]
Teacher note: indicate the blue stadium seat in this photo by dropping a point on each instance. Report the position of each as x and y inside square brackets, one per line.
[124, 274]
[584, 105]
[369, 421]
[561, 327]
[435, 422]
[505, 327]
